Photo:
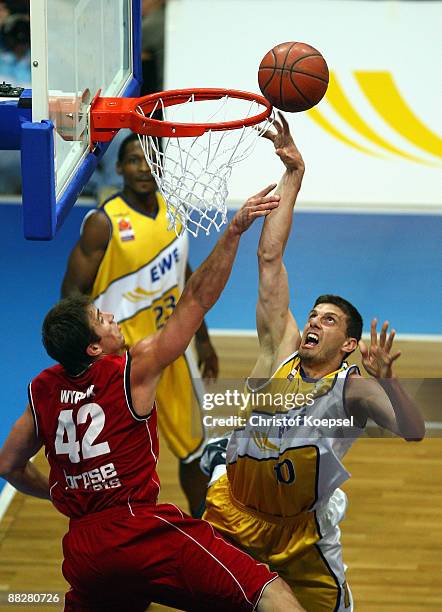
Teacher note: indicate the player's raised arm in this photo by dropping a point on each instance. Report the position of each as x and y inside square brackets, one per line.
[207, 357]
[383, 398]
[277, 330]
[151, 355]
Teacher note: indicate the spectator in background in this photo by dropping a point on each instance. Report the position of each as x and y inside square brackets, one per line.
[15, 58]
[18, 6]
[4, 14]
[15, 68]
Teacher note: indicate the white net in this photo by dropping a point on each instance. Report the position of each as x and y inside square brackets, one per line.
[192, 173]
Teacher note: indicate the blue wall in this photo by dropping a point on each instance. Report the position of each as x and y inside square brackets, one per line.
[388, 265]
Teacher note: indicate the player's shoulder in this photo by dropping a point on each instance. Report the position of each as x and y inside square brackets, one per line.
[115, 198]
[102, 214]
[51, 372]
[48, 379]
[96, 229]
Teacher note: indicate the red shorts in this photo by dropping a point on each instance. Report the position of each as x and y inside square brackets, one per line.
[123, 558]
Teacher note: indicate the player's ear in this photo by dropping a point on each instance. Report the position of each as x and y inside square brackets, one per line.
[118, 168]
[94, 350]
[350, 345]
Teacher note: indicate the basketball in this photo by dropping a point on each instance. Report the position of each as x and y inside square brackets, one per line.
[293, 76]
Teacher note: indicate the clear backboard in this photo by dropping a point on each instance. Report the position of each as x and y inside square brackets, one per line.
[78, 47]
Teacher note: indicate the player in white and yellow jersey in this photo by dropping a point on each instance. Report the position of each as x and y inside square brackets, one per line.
[134, 266]
[279, 498]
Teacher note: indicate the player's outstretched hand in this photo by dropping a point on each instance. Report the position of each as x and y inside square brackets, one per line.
[378, 359]
[256, 206]
[284, 145]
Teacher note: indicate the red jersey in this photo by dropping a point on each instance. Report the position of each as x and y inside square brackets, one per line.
[101, 454]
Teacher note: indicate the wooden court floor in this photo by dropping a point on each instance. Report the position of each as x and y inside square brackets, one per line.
[392, 535]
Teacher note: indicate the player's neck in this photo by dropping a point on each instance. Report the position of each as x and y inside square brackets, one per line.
[316, 371]
[144, 202]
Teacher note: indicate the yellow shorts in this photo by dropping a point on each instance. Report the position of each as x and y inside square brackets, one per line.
[179, 412]
[306, 558]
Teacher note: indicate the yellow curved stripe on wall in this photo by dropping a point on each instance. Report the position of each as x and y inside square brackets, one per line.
[318, 118]
[339, 101]
[384, 96]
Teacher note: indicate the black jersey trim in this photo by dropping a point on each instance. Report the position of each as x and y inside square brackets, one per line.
[152, 216]
[115, 195]
[333, 575]
[127, 392]
[318, 526]
[34, 412]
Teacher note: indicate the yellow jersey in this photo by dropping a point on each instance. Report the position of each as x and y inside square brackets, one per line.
[142, 273]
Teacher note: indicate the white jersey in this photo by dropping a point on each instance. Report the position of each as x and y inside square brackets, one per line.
[287, 458]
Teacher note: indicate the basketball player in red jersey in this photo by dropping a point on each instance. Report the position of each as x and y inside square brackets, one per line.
[95, 414]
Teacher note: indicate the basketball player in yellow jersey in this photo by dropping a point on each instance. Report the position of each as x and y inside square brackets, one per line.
[279, 499]
[135, 267]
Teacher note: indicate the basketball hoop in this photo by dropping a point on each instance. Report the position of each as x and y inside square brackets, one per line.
[191, 151]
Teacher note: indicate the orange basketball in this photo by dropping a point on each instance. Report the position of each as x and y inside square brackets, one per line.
[293, 76]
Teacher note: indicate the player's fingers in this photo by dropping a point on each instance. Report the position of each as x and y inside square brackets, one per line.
[262, 210]
[362, 347]
[383, 334]
[390, 339]
[259, 213]
[373, 332]
[207, 374]
[396, 356]
[265, 204]
[267, 134]
[210, 374]
[265, 191]
[284, 123]
[278, 126]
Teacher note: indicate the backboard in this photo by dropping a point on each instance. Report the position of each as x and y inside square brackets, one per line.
[78, 47]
